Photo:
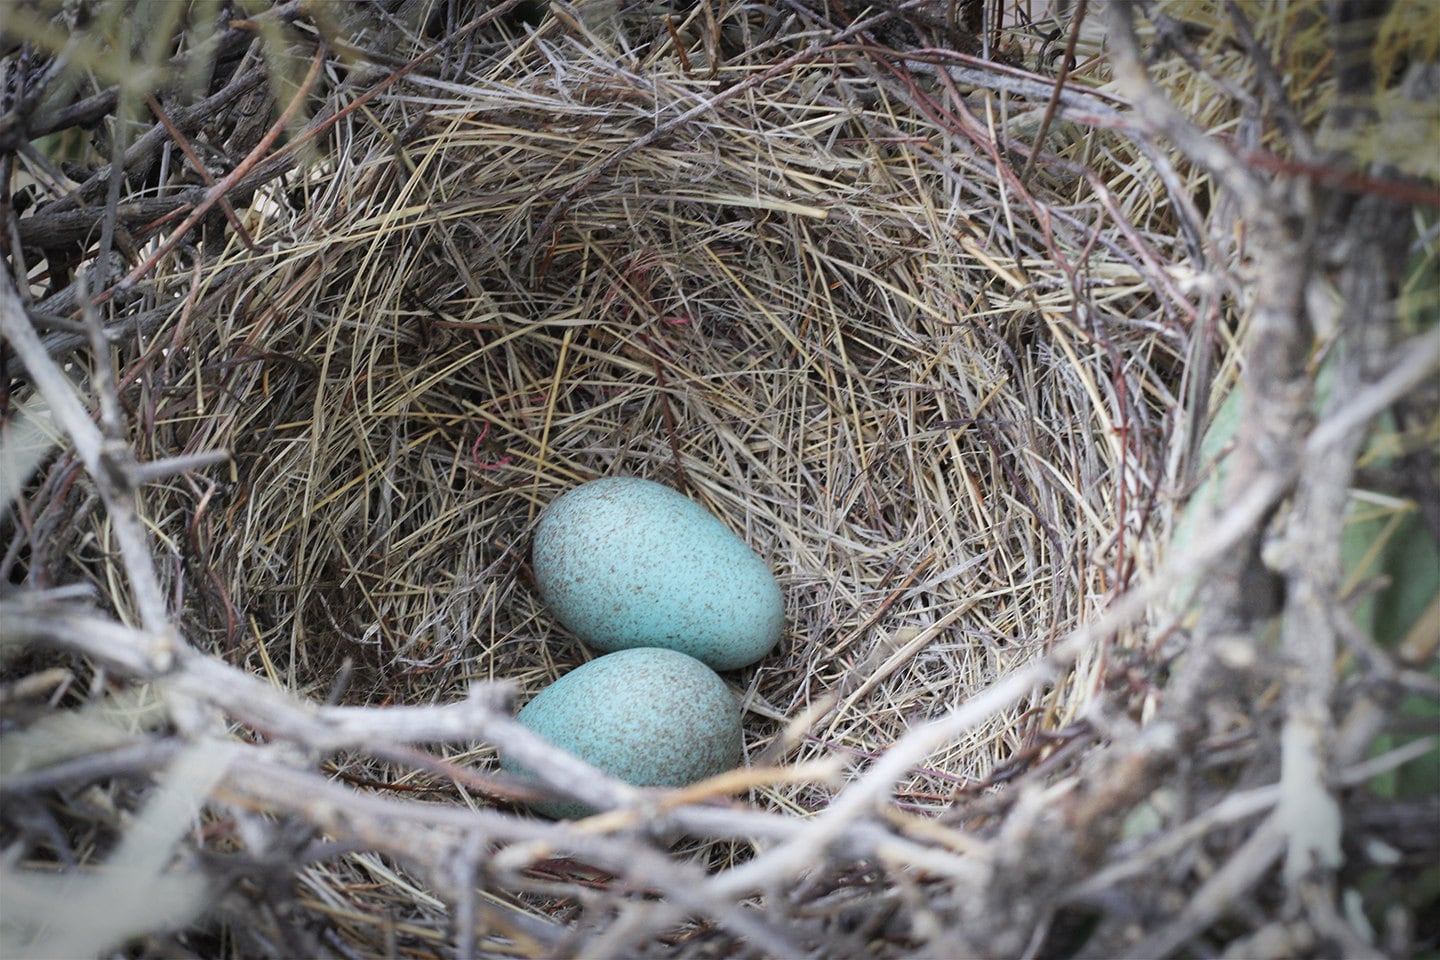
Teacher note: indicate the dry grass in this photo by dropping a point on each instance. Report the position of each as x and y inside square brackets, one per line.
[955, 412]
[832, 339]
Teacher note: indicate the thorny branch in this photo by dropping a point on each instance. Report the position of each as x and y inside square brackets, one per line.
[1315, 466]
[110, 463]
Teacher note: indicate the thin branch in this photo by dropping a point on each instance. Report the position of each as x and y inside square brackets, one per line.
[1157, 114]
[218, 192]
[108, 463]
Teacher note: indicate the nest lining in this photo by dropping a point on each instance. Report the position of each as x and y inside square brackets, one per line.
[874, 407]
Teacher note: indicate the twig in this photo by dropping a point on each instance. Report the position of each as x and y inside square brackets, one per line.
[218, 192]
[1157, 114]
[1234, 808]
[153, 470]
[1231, 882]
[198, 166]
[109, 463]
[1410, 365]
[1077, 20]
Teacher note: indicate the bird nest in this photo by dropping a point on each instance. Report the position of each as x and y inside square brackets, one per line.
[333, 301]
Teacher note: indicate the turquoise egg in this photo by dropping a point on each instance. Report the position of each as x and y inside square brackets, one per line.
[653, 718]
[624, 562]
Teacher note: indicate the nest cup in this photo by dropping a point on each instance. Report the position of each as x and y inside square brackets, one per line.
[800, 331]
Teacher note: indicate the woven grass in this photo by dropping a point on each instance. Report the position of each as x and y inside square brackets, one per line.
[758, 254]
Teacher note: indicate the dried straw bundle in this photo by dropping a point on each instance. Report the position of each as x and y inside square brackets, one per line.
[804, 265]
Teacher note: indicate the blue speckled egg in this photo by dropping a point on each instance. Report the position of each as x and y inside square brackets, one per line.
[624, 562]
[653, 718]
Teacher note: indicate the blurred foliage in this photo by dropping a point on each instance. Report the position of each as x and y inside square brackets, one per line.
[1389, 549]
[139, 48]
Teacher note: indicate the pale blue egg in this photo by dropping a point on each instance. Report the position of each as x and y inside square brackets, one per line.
[653, 718]
[624, 562]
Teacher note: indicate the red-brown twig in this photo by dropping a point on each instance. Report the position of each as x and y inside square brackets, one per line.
[183, 143]
[218, 192]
